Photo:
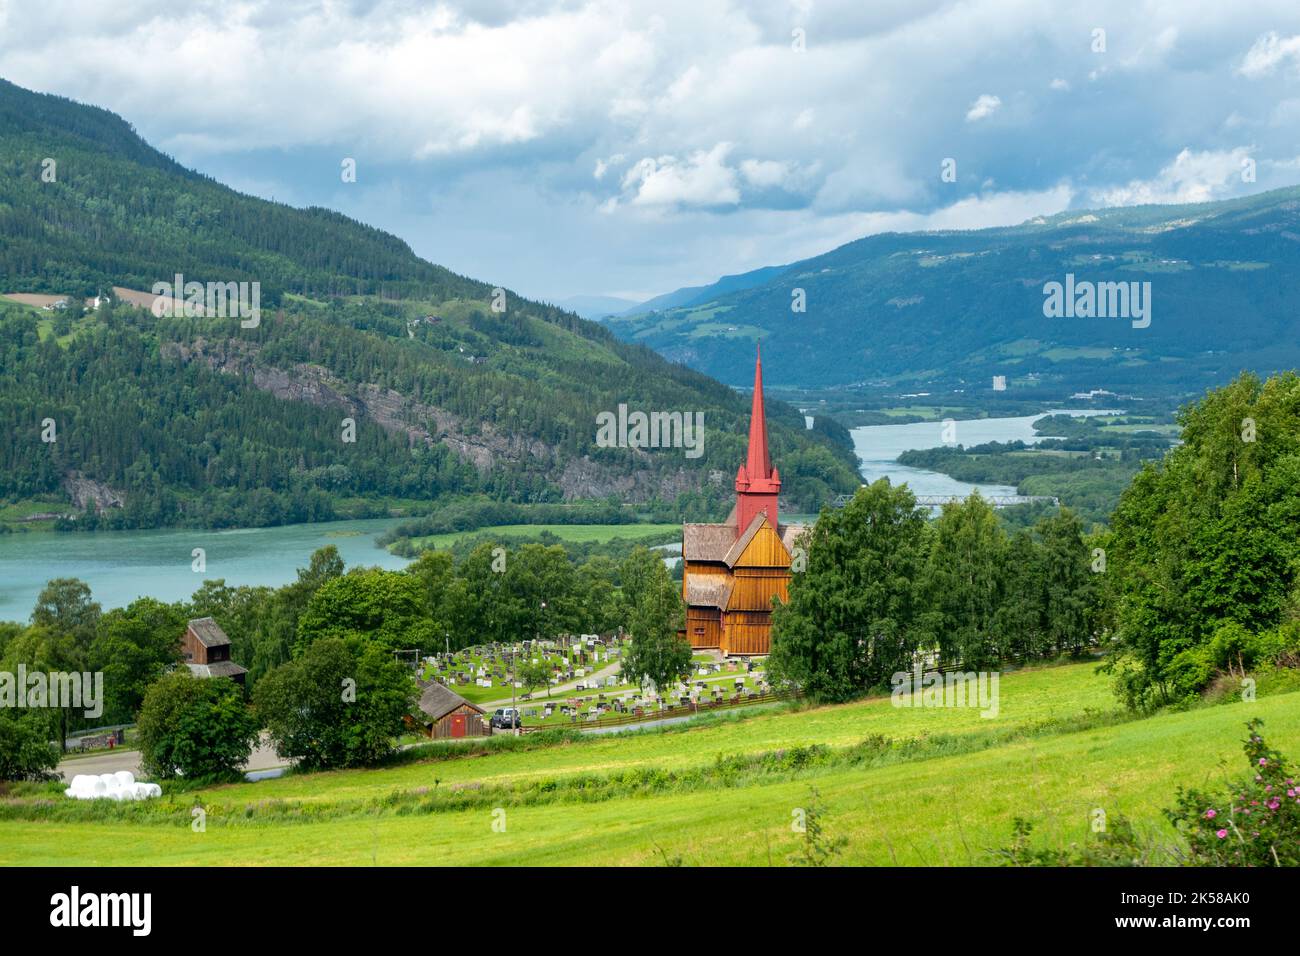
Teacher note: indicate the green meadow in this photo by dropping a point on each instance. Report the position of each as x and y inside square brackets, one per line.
[923, 786]
[565, 532]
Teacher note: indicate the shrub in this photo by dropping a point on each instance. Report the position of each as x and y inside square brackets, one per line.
[196, 728]
[1256, 822]
[334, 707]
[25, 749]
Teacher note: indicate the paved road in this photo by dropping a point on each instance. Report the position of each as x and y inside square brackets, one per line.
[263, 757]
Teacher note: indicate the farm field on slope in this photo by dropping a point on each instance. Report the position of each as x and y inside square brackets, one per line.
[945, 810]
[1026, 696]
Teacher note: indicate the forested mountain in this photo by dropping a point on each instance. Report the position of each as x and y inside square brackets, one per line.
[201, 421]
[954, 308]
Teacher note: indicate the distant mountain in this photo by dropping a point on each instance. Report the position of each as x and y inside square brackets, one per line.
[692, 295]
[204, 421]
[955, 308]
[597, 306]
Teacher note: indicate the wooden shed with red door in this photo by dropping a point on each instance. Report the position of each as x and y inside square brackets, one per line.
[451, 715]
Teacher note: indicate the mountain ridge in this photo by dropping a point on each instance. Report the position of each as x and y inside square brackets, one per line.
[955, 307]
[189, 419]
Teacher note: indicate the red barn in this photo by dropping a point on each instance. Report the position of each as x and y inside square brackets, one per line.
[451, 714]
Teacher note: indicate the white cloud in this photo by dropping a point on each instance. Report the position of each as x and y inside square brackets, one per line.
[984, 107]
[467, 113]
[765, 173]
[702, 179]
[1268, 53]
[1191, 177]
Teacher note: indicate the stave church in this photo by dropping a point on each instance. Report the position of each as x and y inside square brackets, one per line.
[732, 571]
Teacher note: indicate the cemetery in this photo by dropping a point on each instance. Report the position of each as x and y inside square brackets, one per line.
[584, 685]
[481, 674]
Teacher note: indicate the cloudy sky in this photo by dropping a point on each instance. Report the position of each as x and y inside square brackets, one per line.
[627, 148]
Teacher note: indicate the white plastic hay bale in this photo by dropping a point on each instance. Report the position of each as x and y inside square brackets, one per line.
[111, 786]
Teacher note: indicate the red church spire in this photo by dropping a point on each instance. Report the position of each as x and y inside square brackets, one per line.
[758, 484]
[758, 464]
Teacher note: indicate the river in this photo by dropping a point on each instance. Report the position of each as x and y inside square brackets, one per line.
[121, 566]
[879, 445]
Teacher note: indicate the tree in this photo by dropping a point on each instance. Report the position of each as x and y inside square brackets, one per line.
[39, 648]
[196, 728]
[658, 654]
[544, 600]
[1070, 585]
[65, 607]
[597, 596]
[852, 618]
[963, 583]
[369, 605]
[133, 648]
[337, 705]
[1210, 536]
[25, 749]
[532, 674]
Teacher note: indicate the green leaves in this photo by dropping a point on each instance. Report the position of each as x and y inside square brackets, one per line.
[196, 728]
[654, 612]
[337, 705]
[1209, 538]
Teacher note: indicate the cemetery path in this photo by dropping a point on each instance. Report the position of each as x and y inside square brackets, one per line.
[609, 670]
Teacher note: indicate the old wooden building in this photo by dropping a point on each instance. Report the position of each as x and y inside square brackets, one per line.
[206, 650]
[451, 715]
[732, 571]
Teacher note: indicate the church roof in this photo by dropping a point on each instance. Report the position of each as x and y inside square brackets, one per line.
[708, 592]
[790, 533]
[707, 542]
[740, 544]
[718, 542]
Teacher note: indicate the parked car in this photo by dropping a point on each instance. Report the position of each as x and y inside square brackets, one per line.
[506, 718]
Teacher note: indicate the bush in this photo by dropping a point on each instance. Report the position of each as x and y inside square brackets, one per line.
[1256, 822]
[25, 749]
[197, 728]
[334, 707]
[1191, 671]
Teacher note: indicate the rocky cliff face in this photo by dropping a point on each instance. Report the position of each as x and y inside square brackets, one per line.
[83, 491]
[483, 446]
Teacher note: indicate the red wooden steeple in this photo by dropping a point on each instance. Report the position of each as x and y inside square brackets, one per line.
[757, 483]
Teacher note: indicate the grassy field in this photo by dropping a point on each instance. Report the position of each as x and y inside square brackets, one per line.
[942, 790]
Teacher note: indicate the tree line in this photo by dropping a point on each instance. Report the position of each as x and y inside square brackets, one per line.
[1191, 589]
[303, 641]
